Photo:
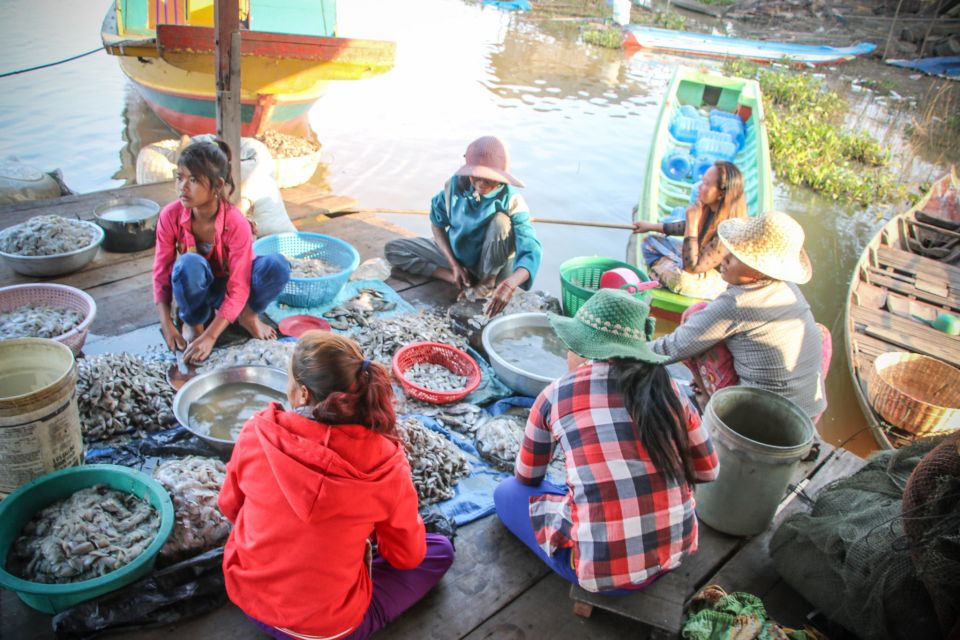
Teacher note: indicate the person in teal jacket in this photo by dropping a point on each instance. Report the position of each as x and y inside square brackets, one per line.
[482, 233]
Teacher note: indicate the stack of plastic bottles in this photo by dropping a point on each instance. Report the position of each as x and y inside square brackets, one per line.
[713, 137]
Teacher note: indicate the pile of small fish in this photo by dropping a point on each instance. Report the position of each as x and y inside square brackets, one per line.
[499, 439]
[521, 302]
[436, 464]
[435, 377]
[282, 145]
[357, 311]
[93, 532]
[47, 236]
[269, 353]
[194, 485]
[121, 392]
[38, 321]
[461, 417]
[381, 337]
[311, 268]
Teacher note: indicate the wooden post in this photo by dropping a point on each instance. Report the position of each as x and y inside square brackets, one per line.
[226, 17]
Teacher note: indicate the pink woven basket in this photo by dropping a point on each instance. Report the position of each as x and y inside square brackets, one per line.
[60, 296]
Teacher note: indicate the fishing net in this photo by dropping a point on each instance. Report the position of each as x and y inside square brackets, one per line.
[850, 557]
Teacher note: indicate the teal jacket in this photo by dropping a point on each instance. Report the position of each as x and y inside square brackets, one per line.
[466, 224]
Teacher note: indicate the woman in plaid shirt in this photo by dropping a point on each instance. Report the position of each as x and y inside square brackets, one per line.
[634, 449]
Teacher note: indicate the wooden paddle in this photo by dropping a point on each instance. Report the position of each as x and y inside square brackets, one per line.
[421, 212]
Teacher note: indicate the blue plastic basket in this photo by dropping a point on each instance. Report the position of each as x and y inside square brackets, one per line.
[311, 292]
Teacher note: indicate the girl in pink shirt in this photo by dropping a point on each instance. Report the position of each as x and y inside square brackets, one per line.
[204, 259]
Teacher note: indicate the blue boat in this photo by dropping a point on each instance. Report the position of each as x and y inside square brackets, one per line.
[945, 67]
[701, 44]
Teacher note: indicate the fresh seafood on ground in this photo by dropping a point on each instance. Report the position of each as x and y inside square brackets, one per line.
[358, 310]
[435, 377]
[47, 236]
[436, 464]
[38, 321]
[461, 416]
[268, 353]
[521, 302]
[381, 337]
[499, 438]
[194, 484]
[93, 532]
[311, 268]
[283, 145]
[121, 392]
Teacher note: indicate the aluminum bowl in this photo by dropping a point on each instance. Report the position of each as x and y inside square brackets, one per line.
[525, 382]
[197, 387]
[58, 264]
[130, 224]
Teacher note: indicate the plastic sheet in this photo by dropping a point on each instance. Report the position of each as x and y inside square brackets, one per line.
[349, 291]
[143, 454]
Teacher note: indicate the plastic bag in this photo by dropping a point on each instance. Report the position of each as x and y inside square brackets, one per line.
[143, 454]
[180, 591]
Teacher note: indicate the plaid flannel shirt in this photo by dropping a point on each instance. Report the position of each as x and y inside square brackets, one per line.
[624, 519]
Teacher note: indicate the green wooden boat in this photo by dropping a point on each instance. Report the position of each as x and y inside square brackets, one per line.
[706, 93]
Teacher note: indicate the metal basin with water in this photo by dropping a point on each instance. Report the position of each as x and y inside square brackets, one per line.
[273, 379]
[529, 374]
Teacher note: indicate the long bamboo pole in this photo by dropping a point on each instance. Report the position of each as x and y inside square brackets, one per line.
[422, 212]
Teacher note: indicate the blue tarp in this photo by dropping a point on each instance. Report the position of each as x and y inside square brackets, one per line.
[491, 387]
[945, 66]
[278, 312]
[509, 5]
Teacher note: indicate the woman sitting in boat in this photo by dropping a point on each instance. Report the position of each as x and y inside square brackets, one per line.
[634, 449]
[327, 539]
[204, 259]
[760, 332]
[482, 235]
[690, 268]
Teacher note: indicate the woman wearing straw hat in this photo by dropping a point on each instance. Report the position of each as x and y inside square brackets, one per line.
[634, 448]
[762, 318]
[482, 235]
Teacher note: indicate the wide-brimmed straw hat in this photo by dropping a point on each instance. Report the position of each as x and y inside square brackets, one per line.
[611, 324]
[487, 157]
[771, 243]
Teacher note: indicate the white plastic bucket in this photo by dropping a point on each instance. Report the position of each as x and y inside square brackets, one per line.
[39, 420]
[621, 11]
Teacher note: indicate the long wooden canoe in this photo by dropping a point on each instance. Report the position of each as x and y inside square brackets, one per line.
[909, 270]
[702, 44]
[661, 194]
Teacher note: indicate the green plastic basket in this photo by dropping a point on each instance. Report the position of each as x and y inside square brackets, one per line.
[20, 506]
[580, 279]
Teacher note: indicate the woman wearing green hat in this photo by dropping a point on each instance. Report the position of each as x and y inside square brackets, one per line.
[634, 448]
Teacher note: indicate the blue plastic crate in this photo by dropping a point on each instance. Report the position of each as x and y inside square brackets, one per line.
[311, 292]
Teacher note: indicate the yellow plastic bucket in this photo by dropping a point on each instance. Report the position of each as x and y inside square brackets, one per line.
[39, 420]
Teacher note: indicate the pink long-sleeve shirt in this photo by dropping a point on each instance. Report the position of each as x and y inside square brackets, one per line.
[231, 256]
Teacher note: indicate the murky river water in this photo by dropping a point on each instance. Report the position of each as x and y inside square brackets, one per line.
[577, 119]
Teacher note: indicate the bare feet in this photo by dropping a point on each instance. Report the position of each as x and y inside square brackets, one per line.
[251, 321]
[191, 332]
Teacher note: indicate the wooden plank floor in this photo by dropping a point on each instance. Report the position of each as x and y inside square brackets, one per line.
[496, 588]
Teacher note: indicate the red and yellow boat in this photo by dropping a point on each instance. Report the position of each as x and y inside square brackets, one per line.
[289, 53]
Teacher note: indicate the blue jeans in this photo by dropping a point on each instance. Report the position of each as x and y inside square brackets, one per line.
[512, 501]
[199, 293]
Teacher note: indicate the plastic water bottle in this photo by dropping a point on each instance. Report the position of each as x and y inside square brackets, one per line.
[678, 214]
[717, 115]
[733, 128]
[690, 111]
[685, 128]
[677, 165]
[721, 136]
[719, 149]
[702, 166]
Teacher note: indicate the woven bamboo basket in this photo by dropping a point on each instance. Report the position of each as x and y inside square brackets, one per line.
[916, 393]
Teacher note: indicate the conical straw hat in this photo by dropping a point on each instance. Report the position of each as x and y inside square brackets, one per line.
[771, 243]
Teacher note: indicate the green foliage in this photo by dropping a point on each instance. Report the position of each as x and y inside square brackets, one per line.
[662, 19]
[808, 144]
[609, 38]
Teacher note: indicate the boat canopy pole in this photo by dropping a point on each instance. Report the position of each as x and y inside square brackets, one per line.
[226, 19]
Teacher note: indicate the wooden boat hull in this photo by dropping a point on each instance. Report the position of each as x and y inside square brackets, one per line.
[888, 270]
[282, 75]
[661, 194]
[701, 44]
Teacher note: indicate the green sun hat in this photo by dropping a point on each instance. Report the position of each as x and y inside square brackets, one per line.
[611, 324]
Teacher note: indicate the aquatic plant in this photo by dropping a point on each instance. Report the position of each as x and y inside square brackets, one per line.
[662, 19]
[808, 143]
[611, 38]
[936, 125]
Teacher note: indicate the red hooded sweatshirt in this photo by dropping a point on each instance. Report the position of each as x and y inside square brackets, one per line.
[304, 497]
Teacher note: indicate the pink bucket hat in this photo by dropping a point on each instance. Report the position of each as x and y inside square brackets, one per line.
[487, 157]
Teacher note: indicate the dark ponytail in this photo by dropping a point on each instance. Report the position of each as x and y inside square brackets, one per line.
[654, 407]
[345, 387]
[210, 159]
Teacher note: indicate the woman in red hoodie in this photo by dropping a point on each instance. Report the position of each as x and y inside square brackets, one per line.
[310, 491]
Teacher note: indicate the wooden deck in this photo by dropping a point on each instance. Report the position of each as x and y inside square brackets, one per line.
[496, 588]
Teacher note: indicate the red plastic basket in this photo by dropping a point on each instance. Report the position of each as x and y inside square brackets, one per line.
[457, 361]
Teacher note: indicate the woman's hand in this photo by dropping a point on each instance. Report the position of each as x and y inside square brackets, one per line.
[198, 350]
[694, 217]
[172, 337]
[500, 298]
[642, 226]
